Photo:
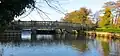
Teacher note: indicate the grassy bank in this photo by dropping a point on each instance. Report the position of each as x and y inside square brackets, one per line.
[115, 30]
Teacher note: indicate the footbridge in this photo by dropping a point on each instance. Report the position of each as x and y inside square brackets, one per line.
[16, 28]
[52, 25]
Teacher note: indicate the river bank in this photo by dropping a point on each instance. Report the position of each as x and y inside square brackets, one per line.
[103, 34]
[113, 30]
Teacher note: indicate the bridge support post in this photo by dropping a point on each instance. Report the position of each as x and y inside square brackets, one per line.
[74, 31]
[58, 31]
[62, 31]
[81, 32]
[33, 34]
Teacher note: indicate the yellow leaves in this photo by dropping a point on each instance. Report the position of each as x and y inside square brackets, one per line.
[101, 22]
[84, 11]
[88, 21]
[105, 20]
[78, 16]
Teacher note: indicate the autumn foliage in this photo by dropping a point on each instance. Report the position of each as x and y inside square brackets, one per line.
[106, 19]
[111, 17]
[79, 16]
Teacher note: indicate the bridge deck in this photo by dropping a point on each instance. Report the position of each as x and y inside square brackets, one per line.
[48, 25]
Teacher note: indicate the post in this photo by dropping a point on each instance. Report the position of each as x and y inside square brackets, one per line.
[33, 34]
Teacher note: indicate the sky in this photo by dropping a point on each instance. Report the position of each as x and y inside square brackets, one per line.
[67, 6]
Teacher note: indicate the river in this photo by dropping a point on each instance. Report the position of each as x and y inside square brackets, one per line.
[61, 45]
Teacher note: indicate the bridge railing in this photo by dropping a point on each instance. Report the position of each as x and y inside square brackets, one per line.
[48, 24]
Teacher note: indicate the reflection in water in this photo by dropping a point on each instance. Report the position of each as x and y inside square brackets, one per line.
[48, 37]
[26, 35]
[80, 45]
[105, 47]
[62, 45]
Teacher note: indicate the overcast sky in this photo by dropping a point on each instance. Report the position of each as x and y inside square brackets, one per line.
[68, 6]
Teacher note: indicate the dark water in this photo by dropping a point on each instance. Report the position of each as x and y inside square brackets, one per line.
[61, 45]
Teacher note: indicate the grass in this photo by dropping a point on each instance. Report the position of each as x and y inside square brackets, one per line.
[115, 30]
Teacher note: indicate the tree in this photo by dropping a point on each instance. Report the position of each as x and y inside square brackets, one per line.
[9, 9]
[105, 20]
[13, 8]
[83, 14]
[114, 6]
[79, 16]
[117, 23]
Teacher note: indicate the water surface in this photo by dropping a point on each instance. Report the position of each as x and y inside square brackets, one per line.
[61, 45]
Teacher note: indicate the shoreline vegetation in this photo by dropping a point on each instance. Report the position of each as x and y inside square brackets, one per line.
[105, 32]
[111, 30]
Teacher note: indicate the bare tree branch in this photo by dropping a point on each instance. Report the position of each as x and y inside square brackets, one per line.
[28, 13]
[42, 12]
[54, 7]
